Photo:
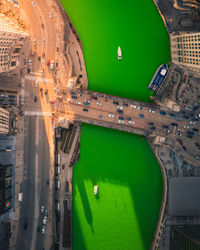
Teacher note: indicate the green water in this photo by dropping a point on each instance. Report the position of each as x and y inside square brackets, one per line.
[125, 213]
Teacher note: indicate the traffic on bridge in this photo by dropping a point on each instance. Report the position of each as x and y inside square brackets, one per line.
[125, 114]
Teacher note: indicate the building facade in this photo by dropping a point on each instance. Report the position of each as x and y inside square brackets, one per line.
[4, 121]
[11, 41]
[185, 50]
[5, 188]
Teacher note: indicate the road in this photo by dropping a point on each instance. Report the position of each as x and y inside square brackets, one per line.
[35, 190]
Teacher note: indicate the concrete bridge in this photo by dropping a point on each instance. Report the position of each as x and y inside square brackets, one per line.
[117, 113]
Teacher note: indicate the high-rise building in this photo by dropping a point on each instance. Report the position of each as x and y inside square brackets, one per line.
[4, 121]
[185, 50]
[11, 42]
[185, 237]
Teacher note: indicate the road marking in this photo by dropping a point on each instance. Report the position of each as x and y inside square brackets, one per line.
[37, 133]
[28, 77]
[38, 113]
[36, 215]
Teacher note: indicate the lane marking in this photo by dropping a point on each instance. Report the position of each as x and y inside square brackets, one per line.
[37, 113]
[27, 77]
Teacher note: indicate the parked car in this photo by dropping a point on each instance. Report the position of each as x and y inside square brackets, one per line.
[133, 106]
[162, 113]
[119, 111]
[35, 98]
[36, 83]
[153, 128]
[101, 116]
[86, 110]
[116, 103]
[99, 103]
[151, 123]
[174, 124]
[141, 115]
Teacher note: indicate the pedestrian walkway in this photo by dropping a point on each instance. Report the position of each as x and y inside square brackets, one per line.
[38, 113]
[27, 77]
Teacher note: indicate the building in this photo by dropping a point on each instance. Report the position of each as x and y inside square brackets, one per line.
[5, 188]
[185, 237]
[11, 41]
[4, 121]
[185, 50]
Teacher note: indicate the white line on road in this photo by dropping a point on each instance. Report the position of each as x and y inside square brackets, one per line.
[38, 113]
[37, 133]
[36, 215]
[27, 77]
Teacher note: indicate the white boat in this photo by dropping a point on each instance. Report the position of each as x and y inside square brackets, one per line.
[95, 189]
[119, 52]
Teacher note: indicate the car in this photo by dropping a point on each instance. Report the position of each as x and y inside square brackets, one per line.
[35, 98]
[48, 62]
[174, 124]
[180, 141]
[131, 122]
[101, 116]
[166, 130]
[72, 93]
[125, 104]
[110, 115]
[140, 108]
[42, 209]
[172, 114]
[87, 100]
[86, 103]
[116, 103]
[36, 83]
[94, 97]
[119, 107]
[86, 110]
[42, 72]
[162, 113]
[33, 3]
[11, 100]
[43, 230]
[47, 181]
[44, 221]
[42, 26]
[25, 225]
[190, 132]
[99, 103]
[28, 70]
[153, 128]
[133, 106]
[50, 15]
[74, 97]
[46, 91]
[151, 111]
[38, 229]
[190, 136]
[195, 129]
[120, 121]
[43, 40]
[128, 118]
[121, 118]
[141, 115]
[151, 123]
[184, 148]
[14, 104]
[120, 111]
[46, 213]
[3, 95]
[78, 102]
[165, 126]
[34, 41]
[52, 65]
[29, 61]
[80, 95]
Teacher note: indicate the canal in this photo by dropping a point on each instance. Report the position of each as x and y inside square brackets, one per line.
[125, 212]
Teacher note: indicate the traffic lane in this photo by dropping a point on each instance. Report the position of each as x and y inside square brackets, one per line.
[34, 20]
[28, 203]
[49, 30]
[44, 161]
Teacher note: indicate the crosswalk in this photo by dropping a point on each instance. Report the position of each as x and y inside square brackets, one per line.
[37, 113]
[29, 77]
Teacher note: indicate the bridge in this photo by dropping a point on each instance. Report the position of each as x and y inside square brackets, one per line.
[118, 113]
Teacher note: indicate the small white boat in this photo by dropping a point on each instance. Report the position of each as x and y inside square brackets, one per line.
[119, 52]
[95, 189]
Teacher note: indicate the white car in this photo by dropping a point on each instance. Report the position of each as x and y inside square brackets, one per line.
[133, 106]
[44, 220]
[44, 40]
[120, 121]
[119, 107]
[140, 108]
[151, 111]
[34, 41]
[78, 102]
[110, 115]
[33, 3]
[99, 103]
[50, 15]
[42, 209]
[36, 83]
[131, 122]
[29, 61]
[43, 230]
